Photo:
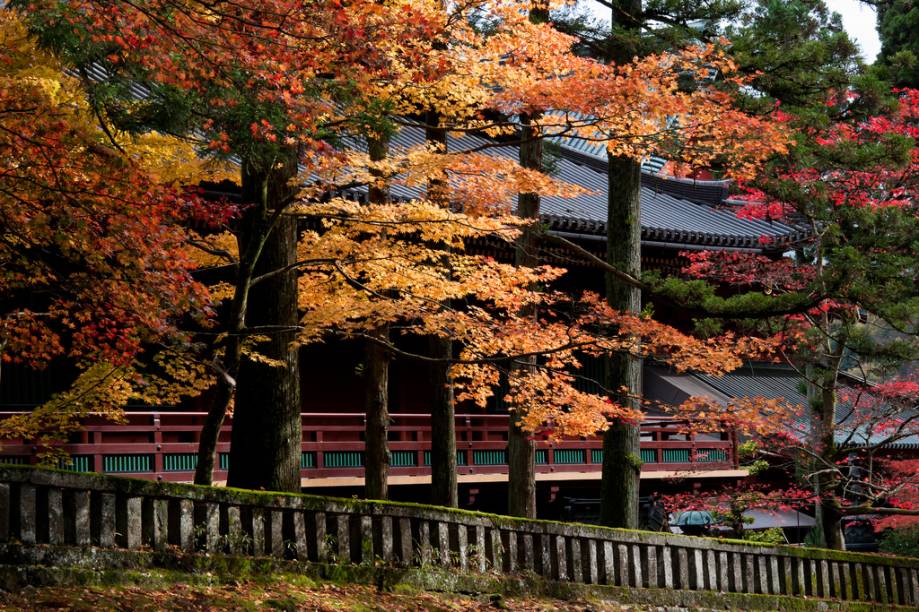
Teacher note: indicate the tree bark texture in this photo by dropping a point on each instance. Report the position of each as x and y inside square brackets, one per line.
[443, 429]
[376, 374]
[376, 405]
[444, 490]
[828, 515]
[254, 232]
[621, 453]
[210, 432]
[266, 438]
[521, 449]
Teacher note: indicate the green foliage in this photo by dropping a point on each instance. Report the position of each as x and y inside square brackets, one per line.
[707, 327]
[634, 461]
[903, 542]
[662, 25]
[746, 451]
[757, 467]
[798, 49]
[770, 537]
[898, 22]
[647, 310]
[551, 156]
[701, 297]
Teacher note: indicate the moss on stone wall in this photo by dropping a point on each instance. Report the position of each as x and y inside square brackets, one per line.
[37, 566]
[138, 487]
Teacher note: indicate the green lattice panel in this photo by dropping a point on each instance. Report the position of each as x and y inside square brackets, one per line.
[676, 455]
[460, 458]
[489, 457]
[307, 460]
[712, 456]
[14, 460]
[403, 459]
[542, 456]
[180, 462]
[77, 463]
[127, 463]
[596, 455]
[82, 463]
[570, 456]
[223, 460]
[343, 459]
[648, 455]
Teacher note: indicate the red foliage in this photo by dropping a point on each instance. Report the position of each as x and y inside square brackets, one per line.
[91, 257]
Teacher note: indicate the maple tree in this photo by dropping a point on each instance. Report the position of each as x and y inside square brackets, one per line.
[257, 82]
[684, 116]
[232, 93]
[471, 192]
[853, 182]
[271, 85]
[633, 107]
[521, 448]
[471, 179]
[91, 249]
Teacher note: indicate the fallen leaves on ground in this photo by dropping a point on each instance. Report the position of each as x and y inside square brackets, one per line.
[284, 594]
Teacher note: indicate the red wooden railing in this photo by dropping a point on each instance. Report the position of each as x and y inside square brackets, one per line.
[162, 445]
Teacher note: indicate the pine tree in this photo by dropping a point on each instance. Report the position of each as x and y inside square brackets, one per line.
[797, 51]
[898, 28]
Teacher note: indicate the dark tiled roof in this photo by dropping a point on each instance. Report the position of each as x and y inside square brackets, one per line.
[674, 211]
[777, 382]
[773, 382]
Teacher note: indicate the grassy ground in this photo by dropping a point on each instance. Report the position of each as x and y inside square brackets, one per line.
[282, 593]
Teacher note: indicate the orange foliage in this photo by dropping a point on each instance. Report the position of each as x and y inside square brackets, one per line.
[313, 71]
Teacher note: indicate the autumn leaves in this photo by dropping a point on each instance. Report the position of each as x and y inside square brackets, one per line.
[293, 93]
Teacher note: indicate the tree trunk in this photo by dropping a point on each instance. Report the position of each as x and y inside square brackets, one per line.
[828, 517]
[521, 471]
[823, 405]
[443, 429]
[376, 374]
[521, 449]
[254, 232]
[621, 452]
[443, 418]
[210, 432]
[266, 438]
[376, 453]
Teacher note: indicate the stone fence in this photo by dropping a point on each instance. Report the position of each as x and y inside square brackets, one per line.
[40, 506]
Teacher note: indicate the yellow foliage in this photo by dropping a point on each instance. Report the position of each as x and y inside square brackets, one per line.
[176, 161]
[101, 389]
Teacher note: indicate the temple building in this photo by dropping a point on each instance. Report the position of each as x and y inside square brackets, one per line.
[677, 215]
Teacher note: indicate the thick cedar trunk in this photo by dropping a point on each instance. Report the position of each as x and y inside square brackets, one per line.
[254, 233]
[621, 454]
[828, 513]
[443, 429]
[376, 376]
[266, 438]
[443, 422]
[376, 453]
[521, 450]
[828, 516]
[521, 471]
